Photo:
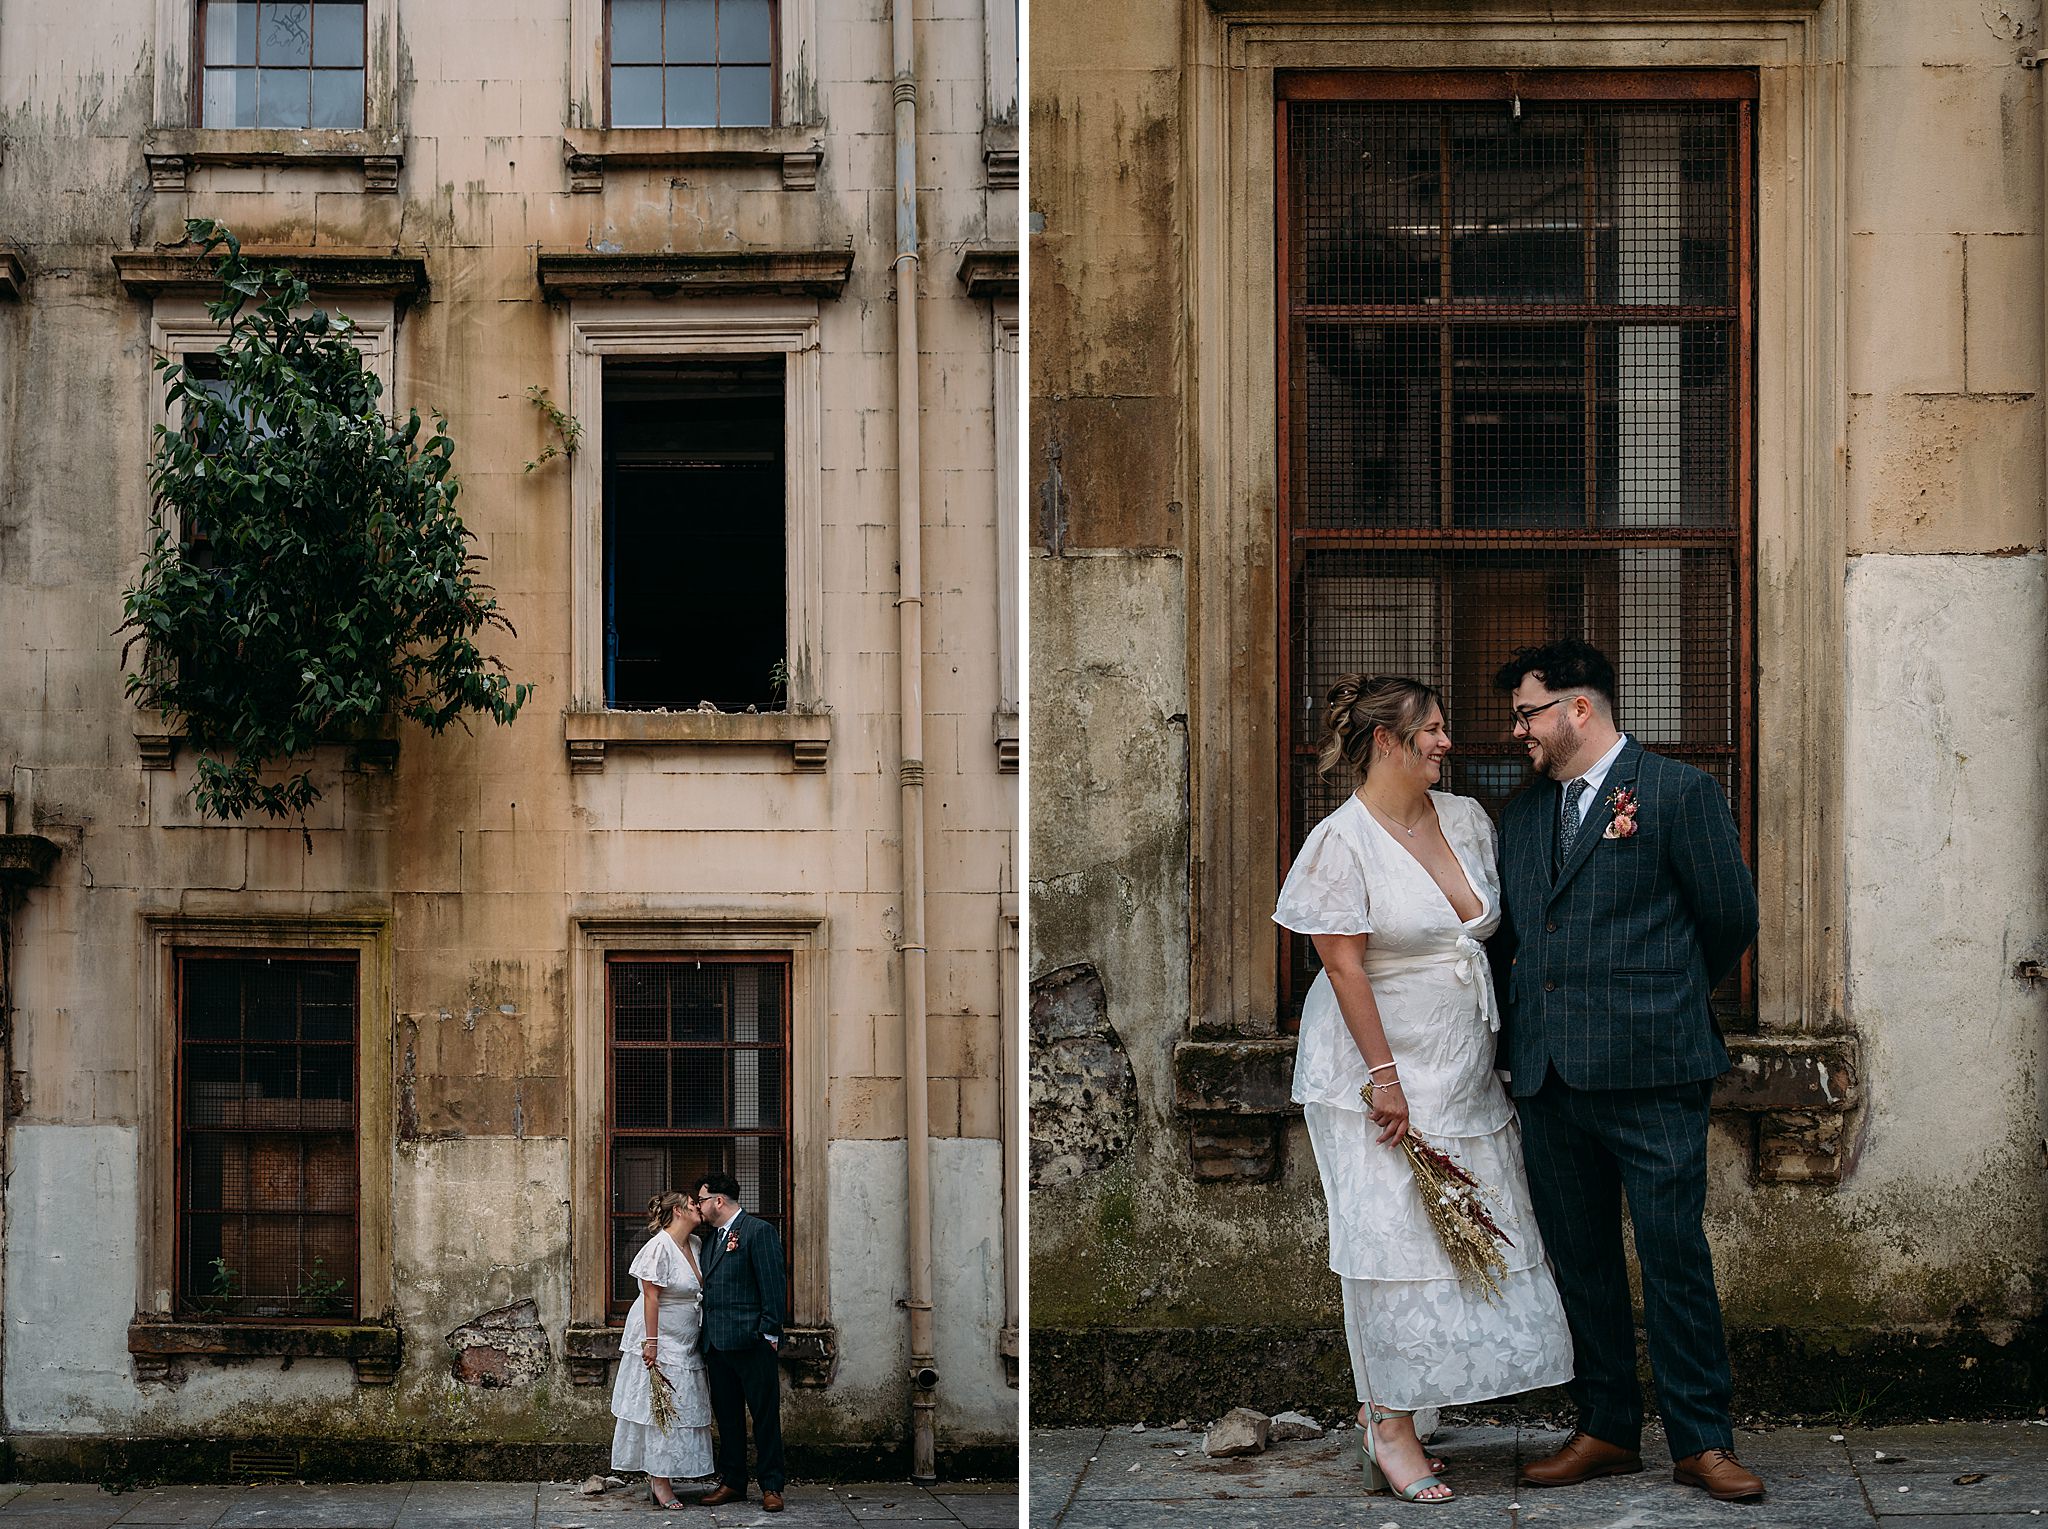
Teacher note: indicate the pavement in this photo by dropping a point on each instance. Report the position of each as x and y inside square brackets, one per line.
[492, 1505]
[1923, 1476]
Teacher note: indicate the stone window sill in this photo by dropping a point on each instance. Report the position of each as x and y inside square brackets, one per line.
[171, 153]
[809, 1354]
[162, 1344]
[590, 735]
[590, 152]
[366, 756]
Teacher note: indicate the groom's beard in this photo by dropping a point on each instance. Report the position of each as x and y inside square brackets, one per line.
[1561, 751]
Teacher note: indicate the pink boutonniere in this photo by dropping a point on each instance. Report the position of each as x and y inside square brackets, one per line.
[1623, 801]
[732, 1241]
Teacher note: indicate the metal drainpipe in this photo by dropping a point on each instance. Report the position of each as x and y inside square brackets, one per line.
[2036, 62]
[924, 1375]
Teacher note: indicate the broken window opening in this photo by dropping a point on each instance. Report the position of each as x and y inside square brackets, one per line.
[695, 545]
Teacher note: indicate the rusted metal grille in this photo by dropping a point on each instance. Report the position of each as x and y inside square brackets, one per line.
[699, 1083]
[267, 1178]
[1515, 353]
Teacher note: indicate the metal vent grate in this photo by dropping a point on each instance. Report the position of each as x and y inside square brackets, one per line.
[1516, 359]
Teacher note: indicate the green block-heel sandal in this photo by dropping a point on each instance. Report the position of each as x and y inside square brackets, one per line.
[1376, 1480]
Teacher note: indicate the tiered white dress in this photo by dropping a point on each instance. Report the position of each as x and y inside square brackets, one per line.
[683, 1453]
[1419, 1337]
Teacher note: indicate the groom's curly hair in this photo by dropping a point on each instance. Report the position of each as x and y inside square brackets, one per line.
[1567, 664]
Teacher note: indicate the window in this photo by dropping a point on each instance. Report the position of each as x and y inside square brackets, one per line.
[698, 1080]
[270, 64]
[667, 362]
[266, 1143]
[1515, 343]
[695, 563]
[691, 63]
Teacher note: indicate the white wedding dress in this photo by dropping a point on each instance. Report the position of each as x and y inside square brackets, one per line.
[1419, 1337]
[683, 1453]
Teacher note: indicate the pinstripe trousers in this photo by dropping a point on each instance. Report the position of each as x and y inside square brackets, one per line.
[1585, 1149]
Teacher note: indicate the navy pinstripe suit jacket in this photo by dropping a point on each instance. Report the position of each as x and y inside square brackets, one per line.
[1605, 968]
[743, 1288]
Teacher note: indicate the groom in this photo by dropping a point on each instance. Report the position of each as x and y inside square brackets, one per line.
[743, 1282]
[1625, 902]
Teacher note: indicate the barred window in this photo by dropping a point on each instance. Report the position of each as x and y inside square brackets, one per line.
[1515, 346]
[699, 1082]
[691, 63]
[267, 1169]
[274, 64]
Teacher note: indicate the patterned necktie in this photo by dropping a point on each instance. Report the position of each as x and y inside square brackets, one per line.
[1568, 824]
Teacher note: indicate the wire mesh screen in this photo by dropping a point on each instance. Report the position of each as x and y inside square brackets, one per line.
[1516, 372]
[699, 1084]
[267, 1127]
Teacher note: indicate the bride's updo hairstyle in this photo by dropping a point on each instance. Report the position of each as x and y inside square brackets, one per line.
[662, 1209]
[1362, 703]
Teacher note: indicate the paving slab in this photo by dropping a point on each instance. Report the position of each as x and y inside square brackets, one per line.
[179, 1505]
[469, 1505]
[1059, 1464]
[64, 1505]
[317, 1507]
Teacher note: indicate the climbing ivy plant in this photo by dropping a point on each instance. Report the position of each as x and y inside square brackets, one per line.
[308, 575]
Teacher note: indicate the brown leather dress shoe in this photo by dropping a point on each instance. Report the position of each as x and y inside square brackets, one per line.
[1582, 1458]
[1720, 1475]
[723, 1495]
[771, 1502]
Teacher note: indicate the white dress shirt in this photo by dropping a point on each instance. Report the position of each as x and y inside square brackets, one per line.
[1594, 774]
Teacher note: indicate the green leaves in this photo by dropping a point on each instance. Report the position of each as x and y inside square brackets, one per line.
[308, 575]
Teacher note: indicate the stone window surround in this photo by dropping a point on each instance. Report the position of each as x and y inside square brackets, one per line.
[159, 1339]
[788, 327]
[590, 145]
[1232, 1071]
[176, 142]
[1009, 700]
[797, 928]
[999, 146]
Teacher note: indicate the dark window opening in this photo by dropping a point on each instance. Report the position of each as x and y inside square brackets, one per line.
[698, 1082]
[696, 604]
[267, 1188]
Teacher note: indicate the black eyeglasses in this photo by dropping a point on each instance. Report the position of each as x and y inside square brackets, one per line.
[1522, 716]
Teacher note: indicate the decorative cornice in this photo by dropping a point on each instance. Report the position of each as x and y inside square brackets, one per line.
[989, 270]
[149, 273]
[593, 273]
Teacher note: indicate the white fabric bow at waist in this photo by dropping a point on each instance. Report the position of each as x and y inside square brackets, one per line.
[1467, 961]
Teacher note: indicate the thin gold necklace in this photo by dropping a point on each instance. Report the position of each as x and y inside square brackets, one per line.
[1406, 828]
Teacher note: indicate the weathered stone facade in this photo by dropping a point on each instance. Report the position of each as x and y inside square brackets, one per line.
[1878, 1201]
[486, 225]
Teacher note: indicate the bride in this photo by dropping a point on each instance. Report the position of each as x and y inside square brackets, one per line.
[1397, 887]
[661, 1333]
